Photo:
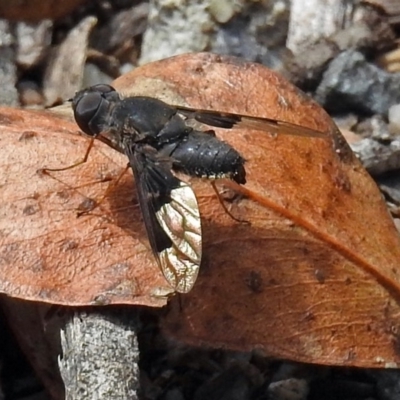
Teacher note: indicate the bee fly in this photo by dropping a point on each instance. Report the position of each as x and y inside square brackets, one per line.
[157, 141]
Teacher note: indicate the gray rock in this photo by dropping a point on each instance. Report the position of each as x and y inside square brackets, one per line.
[288, 389]
[351, 83]
[8, 71]
[33, 41]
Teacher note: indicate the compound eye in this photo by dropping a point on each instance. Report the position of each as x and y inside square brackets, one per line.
[85, 106]
[102, 88]
[91, 105]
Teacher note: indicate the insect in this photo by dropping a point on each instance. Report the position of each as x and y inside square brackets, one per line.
[158, 141]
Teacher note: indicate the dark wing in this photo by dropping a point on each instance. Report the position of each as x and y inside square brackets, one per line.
[171, 216]
[230, 121]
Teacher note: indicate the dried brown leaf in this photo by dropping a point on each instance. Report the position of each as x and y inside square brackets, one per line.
[47, 253]
[313, 278]
[36, 10]
[316, 276]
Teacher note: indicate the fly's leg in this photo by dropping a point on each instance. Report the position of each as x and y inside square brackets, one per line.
[90, 204]
[46, 171]
[111, 186]
[221, 201]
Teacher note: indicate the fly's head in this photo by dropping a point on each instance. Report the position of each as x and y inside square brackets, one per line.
[92, 106]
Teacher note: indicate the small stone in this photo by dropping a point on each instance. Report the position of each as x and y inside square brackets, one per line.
[289, 389]
[351, 83]
[222, 10]
[375, 127]
[394, 118]
[33, 40]
[30, 94]
[8, 71]
[121, 28]
[378, 158]
[66, 64]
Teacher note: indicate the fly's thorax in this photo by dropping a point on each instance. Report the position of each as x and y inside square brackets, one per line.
[144, 115]
[118, 140]
[173, 132]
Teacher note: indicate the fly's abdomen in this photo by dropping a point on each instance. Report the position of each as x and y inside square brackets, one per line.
[203, 155]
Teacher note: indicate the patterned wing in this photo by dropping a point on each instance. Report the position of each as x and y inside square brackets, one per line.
[171, 216]
[234, 121]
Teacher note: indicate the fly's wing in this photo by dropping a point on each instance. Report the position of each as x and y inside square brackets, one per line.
[171, 216]
[231, 121]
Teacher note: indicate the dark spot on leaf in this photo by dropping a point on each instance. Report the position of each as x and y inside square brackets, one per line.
[41, 172]
[104, 176]
[254, 282]
[30, 209]
[63, 195]
[199, 70]
[309, 316]
[87, 205]
[320, 275]
[69, 244]
[27, 135]
[341, 148]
